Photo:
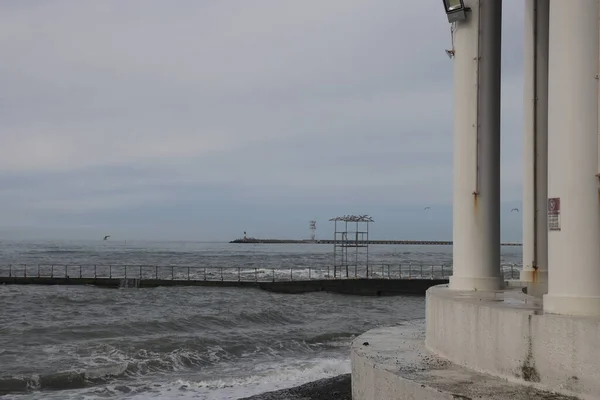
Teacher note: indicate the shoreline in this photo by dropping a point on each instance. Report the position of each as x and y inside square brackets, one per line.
[335, 388]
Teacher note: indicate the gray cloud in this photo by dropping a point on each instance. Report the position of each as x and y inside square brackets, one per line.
[107, 108]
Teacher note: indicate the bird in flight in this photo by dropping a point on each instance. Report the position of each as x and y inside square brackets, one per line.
[427, 208]
[106, 237]
[514, 209]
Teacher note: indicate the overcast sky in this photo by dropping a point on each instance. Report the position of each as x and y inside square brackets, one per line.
[197, 120]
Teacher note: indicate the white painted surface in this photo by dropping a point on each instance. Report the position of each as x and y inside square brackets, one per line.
[574, 251]
[476, 228]
[535, 146]
[506, 334]
[395, 365]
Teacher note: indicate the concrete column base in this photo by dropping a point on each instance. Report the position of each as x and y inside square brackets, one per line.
[480, 284]
[393, 363]
[508, 335]
[571, 305]
[536, 280]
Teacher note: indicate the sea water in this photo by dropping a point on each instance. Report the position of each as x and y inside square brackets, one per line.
[84, 342]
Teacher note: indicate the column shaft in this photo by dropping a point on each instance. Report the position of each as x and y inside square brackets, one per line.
[535, 146]
[574, 221]
[476, 208]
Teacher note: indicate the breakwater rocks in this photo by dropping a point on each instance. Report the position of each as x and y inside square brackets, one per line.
[336, 388]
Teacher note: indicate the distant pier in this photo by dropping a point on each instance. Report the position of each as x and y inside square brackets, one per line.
[370, 242]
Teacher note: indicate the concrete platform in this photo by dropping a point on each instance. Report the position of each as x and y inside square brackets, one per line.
[392, 363]
[508, 335]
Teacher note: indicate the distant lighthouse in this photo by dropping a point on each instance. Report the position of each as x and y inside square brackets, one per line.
[245, 238]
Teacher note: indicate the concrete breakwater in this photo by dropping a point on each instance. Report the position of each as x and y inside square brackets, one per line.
[374, 279]
[361, 287]
[330, 241]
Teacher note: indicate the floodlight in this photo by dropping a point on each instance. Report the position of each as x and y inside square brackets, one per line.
[455, 10]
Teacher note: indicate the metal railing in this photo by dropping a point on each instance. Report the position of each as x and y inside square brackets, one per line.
[239, 274]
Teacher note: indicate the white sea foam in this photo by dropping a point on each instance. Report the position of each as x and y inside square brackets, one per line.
[264, 378]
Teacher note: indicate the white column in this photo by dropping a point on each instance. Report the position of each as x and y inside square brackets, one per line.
[535, 146]
[476, 208]
[574, 250]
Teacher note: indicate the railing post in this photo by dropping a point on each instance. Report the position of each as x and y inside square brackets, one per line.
[382, 271]
[367, 271]
[355, 271]
[432, 272]
[95, 271]
[188, 273]
[140, 272]
[328, 273]
[25, 271]
[172, 273]
[255, 274]
[421, 277]
[221, 274]
[291, 276]
[389, 271]
[80, 273]
[399, 271]
[273, 269]
[239, 274]
[156, 272]
[409, 270]
[52, 271]
[204, 273]
[309, 273]
[38, 274]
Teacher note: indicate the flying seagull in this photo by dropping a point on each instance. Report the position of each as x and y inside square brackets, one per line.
[106, 237]
[426, 208]
[514, 209]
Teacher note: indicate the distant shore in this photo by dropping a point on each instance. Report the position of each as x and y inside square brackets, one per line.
[336, 388]
[350, 242]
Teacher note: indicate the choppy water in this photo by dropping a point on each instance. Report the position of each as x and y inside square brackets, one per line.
[203, 343]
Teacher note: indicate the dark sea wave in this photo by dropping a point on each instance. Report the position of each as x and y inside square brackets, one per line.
[167, 358]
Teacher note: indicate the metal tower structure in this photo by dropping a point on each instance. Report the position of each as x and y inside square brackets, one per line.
[313, 229]
[345, 239]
